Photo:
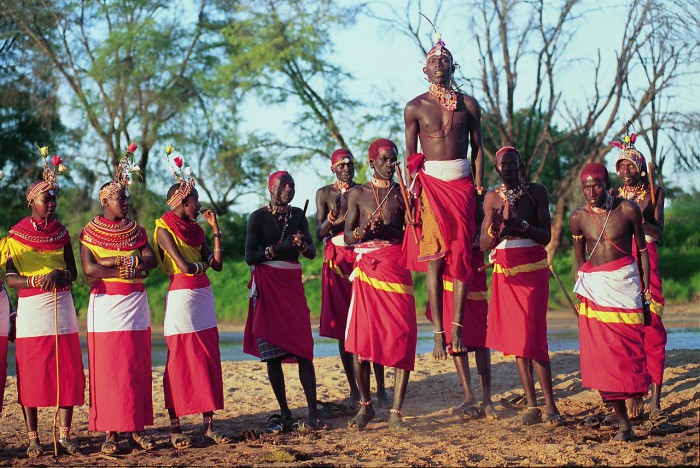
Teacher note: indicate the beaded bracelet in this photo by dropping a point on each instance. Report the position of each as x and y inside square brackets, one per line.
[356, 234]
[218, 234]
[457, 324]
[491, 231]
[438, 332]
[210, 259]
[269, 252]
[331, 219]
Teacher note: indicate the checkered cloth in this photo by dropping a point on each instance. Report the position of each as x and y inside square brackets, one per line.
[268, 351]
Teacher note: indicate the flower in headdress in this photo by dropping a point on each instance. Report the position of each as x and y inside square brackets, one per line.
[43, 151]
[56, 160]
[627, 138]
[178, 161]
[135, 169]
[188, 171]
[62, 168]
[131, 148]
[169, 149]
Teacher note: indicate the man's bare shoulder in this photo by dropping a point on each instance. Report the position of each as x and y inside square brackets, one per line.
[628, 207]
[324, 190]
[471, 103]
[577, 213]
[417, 101]
[538, 190]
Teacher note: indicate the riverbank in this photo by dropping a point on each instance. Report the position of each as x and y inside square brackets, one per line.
[437, 437]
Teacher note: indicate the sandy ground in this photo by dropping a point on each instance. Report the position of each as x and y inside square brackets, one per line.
[437, 437]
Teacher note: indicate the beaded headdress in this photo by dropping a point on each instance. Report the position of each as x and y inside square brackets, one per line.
[49, 174]
[378, 145]
[340, 156]
[438, 48]
[183, 176]
[630, 153]
[122, 174]
[506, 150]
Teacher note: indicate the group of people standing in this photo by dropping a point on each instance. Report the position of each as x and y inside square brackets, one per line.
[116, 256]
[440, 221]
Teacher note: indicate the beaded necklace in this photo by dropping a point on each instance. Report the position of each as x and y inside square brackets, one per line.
[380, 183]
[511, 196]
[341, 186]
[280, 214]
[445, 96]
[606, 206]
[635, 192]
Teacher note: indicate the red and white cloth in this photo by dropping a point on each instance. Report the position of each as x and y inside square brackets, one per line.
[4, 330]
[119, 357]
[611, 329]
[517, 322]
[193, 381]
[336, 287]
[382, 325]
[35, 350]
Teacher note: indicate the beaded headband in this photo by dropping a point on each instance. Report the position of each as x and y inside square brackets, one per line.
[630, 153]
[340, 156]
[50, 175]
[184, 177]
[273, 178]
[122, 174]
[438, 48]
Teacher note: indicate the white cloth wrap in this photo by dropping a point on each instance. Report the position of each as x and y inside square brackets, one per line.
[618, 288]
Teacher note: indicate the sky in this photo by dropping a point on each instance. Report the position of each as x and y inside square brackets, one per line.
[384, 62]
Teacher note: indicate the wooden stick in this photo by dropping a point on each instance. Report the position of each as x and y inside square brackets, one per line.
[563, 289]
[651, 187]
[56, 416]
[404, 195]
[306, 206]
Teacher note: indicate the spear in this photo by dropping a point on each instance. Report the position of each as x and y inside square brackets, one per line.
[651, 186]
[404, 195]
[563, 289]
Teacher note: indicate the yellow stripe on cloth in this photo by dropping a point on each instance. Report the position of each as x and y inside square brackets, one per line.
[473, 295]
[525, 268]
[635, 318]
[656, 308]
[336, 269]
[383, 285]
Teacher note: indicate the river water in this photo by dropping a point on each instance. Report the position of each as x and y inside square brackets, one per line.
[231, 345]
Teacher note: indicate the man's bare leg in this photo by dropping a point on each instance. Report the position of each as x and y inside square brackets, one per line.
[434, 286]
[208, 431]
[655, 403]
[483, 366]
[533, 415]
[396, 422]
[307, 377]
[382, 397]
[624, 433]
[65, 420]
[635, 407]
[346, 359]
[366, 413]
[544, 377]
[462, 367]
[276, 376]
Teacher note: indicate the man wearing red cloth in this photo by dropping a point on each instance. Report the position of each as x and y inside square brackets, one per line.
[448, 124]
[614, 300]
[382, 319]
[116, 255]
[40, 264]
[331, 210]
[278, 327]
[517, 227]
[192, 382]
[632, 168]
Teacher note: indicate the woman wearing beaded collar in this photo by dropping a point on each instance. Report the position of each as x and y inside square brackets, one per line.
[40, 264]
[116, 257]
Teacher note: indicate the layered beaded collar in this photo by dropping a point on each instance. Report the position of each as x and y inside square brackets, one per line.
[606, 206]
[636, 193]
[511, 196]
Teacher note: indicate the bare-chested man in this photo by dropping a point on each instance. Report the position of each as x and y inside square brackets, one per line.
[382, 324]
[331, 210]
[448, 124]
[632, 168]
[517, 226]
[279, 321]
[614, 302]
